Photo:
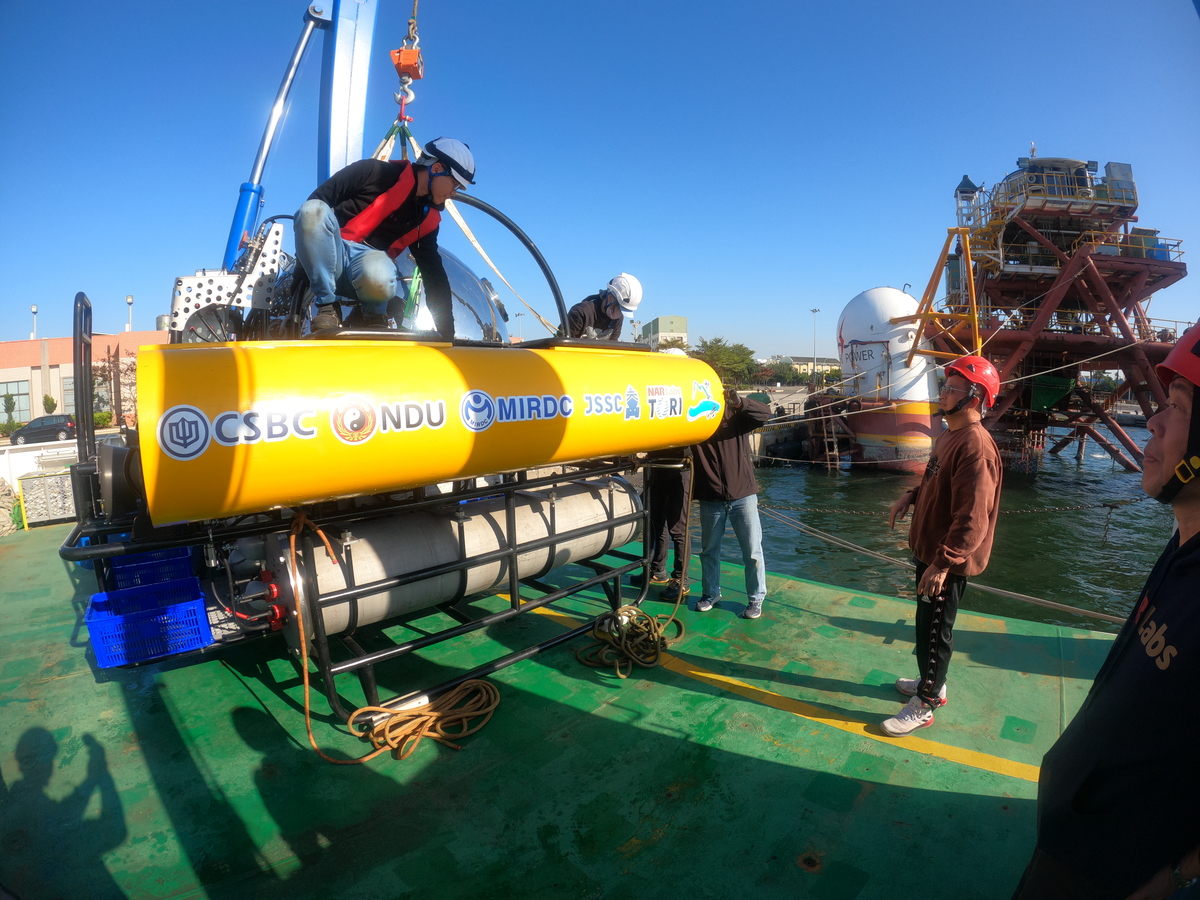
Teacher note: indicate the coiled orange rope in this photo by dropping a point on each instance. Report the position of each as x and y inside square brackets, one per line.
[447, 717]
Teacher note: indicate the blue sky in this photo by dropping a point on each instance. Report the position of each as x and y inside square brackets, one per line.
[747, 161]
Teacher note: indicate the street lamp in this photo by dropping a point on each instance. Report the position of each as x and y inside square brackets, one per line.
[813, 383]
[520, 327]
[33, 335]
[129, 300]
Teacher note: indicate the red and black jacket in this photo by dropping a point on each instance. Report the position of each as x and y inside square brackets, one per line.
[376, 204]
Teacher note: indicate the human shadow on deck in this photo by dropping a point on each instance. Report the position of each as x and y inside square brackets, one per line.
[210, 833]
[620, 798]
[48, 847]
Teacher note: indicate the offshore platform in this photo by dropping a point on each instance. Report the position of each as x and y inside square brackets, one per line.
[1047, 274]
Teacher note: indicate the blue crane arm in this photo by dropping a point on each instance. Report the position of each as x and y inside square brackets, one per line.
[349, 29]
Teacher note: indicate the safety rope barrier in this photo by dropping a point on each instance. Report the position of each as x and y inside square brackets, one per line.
[1011, 595]
[445, 719]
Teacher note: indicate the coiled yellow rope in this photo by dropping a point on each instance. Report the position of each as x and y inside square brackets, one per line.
[630, 637]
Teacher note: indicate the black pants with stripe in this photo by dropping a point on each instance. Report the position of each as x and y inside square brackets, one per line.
[935, 633]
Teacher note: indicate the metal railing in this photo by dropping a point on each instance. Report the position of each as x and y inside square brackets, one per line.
[1007, 198]
[1132, 246]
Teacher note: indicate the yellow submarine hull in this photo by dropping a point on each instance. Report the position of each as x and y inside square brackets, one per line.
[237, 428]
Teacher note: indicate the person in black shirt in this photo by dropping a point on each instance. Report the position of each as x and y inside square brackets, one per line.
[1119, 792]
[601, 315]
[669, 494]
[354, 225]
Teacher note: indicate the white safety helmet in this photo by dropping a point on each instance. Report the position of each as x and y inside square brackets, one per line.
[627, 291]
[455, 156]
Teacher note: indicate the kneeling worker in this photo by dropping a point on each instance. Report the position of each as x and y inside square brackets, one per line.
[355, 224]
[601, 315]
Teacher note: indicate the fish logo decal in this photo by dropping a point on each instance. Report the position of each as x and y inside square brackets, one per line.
[703, 405]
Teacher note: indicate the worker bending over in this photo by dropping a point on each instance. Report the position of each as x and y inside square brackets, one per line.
[352, 228]
[601, 315]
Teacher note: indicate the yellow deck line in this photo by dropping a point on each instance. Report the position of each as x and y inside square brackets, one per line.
[841, 721]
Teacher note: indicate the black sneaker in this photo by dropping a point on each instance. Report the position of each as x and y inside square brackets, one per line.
[328, 316]
[655, 578]
[674, 590]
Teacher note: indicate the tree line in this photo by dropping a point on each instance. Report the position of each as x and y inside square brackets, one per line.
[735, 363]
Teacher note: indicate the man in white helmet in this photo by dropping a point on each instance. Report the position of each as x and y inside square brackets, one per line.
[601, 315]
[352, 228]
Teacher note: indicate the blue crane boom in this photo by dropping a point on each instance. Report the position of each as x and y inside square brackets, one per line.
[349, 28]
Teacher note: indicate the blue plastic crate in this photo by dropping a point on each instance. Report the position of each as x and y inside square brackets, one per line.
[151, 568]
[147, 622]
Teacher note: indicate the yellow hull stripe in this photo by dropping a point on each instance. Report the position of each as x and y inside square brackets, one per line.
[842, 722]
[920, 407]
[919, 440]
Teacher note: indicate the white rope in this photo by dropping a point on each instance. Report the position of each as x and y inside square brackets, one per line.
[461, 223]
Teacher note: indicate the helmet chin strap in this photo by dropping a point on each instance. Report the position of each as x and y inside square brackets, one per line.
[432, 175]
[1189, 466]
[960, 404]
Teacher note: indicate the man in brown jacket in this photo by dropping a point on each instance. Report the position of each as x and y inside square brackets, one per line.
[954, 521]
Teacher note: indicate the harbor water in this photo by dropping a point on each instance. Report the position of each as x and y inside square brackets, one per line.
[1055, 539]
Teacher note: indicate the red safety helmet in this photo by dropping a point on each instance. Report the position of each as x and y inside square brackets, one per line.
[978, 370]
[1184, 359]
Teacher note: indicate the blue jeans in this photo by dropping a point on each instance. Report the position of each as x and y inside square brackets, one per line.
[341, 268]
[743, 516]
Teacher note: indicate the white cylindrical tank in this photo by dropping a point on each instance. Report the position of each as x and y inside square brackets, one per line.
[407, 542]
[873, 348]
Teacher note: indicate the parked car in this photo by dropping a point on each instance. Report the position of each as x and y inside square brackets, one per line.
[45, 428]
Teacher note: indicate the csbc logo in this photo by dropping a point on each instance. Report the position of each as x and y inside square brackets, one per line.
[183, 432]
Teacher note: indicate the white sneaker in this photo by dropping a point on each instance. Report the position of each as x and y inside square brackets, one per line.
[916, 714]
[908, 687]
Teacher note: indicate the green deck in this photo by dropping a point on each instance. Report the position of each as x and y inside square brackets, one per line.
[750, 766]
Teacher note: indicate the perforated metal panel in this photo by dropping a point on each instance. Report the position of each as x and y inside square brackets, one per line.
[254, 289]
[47, 497]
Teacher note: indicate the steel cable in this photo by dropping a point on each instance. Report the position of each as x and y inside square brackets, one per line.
[1011, 595]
